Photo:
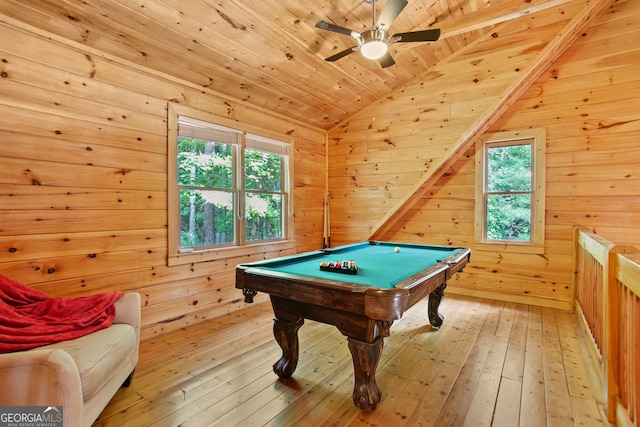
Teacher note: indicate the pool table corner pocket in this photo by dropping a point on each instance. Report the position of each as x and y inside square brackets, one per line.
[387, 304]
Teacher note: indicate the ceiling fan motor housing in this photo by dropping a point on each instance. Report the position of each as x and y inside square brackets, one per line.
[374, 43]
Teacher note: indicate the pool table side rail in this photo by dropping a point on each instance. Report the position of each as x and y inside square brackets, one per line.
[458, 261]
[322, 292]
[447, 267]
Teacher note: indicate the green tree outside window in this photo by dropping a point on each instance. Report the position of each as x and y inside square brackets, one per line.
[210, 208]
[205, 177]
[264, 201]
[509, 192]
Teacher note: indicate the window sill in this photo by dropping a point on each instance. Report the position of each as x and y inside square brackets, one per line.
[190, 257]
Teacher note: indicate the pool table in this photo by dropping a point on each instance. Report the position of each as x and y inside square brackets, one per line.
[390, 278]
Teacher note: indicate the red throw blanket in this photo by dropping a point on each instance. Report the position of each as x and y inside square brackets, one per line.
[30, 318]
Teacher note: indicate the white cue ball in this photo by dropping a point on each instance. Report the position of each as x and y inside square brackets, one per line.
[396, 249]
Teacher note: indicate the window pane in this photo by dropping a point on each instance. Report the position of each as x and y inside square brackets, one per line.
[262, 171]
[264, 216]
[204, 163]
[206, 218]
[509, 217]
[509, 168]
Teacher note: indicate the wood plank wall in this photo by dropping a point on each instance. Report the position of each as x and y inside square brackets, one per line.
[83, 179]
[83, 168]
[588, 103]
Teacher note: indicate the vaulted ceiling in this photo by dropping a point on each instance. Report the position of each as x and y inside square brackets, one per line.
[269, 53]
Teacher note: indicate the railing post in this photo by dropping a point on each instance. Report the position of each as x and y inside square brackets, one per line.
[575, 264]
[618, 278]
[611, 339]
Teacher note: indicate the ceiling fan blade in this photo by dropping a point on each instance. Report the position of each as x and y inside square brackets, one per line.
[390, 12]
[386, 60]
[341, 54]
[335, 28]
[417, 36]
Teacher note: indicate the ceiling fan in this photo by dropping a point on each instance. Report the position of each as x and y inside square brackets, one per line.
[374, 43]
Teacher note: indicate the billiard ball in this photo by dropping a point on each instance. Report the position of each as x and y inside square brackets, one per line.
[396, 249]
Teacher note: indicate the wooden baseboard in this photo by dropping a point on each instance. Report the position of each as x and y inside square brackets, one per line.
[519, 299]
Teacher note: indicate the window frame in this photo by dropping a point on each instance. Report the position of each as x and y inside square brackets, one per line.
[538, 149]
[178, 255]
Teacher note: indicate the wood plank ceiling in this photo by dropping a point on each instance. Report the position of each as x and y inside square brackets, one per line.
[268, 53]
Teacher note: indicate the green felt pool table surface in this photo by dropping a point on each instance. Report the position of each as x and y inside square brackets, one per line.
[378, 264]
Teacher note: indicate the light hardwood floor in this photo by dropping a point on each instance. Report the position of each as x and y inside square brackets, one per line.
[492, 363]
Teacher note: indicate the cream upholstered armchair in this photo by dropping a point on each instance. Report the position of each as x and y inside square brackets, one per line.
[80, 375]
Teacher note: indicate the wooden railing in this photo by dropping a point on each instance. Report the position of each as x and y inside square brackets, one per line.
[623, 345]
[607, 299]
[591, 260]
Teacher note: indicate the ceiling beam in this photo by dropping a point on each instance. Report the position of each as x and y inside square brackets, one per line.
[561, 41]
[492, 15]
[487, 17]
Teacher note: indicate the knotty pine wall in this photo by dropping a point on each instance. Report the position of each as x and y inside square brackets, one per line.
[589, 103]
[83, 180]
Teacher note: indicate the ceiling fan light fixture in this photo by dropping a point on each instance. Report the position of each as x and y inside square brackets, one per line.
[374, 44]
[373, 49]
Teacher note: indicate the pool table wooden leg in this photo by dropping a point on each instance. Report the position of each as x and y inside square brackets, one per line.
[286, 334]
[366, 394]
[435, 298]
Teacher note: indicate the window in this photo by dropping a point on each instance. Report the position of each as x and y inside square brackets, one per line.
[228, 188]
[510, 190]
